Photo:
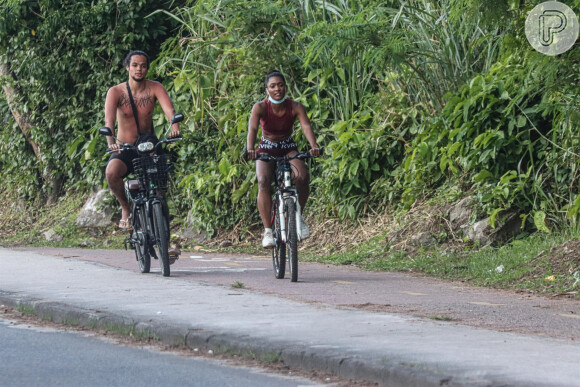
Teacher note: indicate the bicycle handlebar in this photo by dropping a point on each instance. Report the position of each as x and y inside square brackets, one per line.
[105, 131]
[267, 157]
[125, 146]
[300, 156]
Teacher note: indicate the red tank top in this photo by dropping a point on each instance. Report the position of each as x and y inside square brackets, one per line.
[278, 126]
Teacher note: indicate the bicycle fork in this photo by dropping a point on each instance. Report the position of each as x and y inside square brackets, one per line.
[289, 195]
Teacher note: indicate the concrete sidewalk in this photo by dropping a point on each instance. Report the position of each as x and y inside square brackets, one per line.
[393, 350]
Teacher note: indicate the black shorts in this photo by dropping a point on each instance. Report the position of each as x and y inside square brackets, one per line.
[126, 157]
[278, 149]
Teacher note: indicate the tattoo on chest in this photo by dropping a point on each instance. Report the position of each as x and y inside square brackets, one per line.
[139, 101]
[144, 100]
[124, 101]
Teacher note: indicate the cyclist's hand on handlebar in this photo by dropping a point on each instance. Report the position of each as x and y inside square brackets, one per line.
[115, 147]
[315, 151]
[174, 133]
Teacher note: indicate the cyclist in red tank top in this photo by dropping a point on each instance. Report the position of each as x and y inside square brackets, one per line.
[276, 115]
[273, 125]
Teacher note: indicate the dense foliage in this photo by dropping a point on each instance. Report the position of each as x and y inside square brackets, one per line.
[407, 97]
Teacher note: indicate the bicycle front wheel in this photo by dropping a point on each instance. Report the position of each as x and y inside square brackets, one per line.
[141, 240]
[292, 237]
[279, 251]
[161, 226]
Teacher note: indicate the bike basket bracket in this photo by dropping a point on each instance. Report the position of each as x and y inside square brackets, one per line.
[152, 171]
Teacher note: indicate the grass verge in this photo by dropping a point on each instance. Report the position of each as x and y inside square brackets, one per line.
[26, 224]
[541, 262]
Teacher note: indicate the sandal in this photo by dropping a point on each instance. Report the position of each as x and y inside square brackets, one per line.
[125, 224]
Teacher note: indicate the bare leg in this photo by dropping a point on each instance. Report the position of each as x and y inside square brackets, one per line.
[264, 174]
[302, 180]
[115, 171]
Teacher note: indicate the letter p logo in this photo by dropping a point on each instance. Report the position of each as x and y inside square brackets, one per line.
[552, 28]
[552, 22]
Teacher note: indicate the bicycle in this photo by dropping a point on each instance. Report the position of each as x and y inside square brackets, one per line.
[149, 231]
[285, 219]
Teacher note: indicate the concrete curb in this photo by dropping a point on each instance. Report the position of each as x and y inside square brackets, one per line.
[383, 371]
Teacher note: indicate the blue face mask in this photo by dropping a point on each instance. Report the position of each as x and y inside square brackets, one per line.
[276, 102]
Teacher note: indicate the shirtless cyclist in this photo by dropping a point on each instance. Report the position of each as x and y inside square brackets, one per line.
[118, 109]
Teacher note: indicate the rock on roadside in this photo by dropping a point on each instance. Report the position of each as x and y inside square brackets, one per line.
[96, 211]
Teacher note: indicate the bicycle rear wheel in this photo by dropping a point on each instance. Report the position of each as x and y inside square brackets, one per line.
[141, 241]
[161, 226]
[279, 251]
[292, 237]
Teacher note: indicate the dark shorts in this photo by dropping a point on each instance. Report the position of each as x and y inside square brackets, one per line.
[277, 149]
[126, 157]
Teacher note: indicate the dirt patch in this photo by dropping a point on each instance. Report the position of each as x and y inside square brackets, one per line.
[559, 265]
[399, 233]
[565, 259]
[337, 235]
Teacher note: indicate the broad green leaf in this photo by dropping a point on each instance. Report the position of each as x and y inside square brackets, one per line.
[540, 221]
[353, 170]
[451, 150]
[314, 74]
[240, 192]
[443, 163]
[224, 167]
[72, 148]
[493, 216]
[199, 183]
[575, 208]
[482, 176]
[466, 110]
[340, 73]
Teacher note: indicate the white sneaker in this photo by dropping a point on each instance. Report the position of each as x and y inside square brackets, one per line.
[304, 230]
[268, 240]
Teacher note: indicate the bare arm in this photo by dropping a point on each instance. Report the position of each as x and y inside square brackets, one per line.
[167, 106]
[253, 123]
[306, 128]
[111, 102]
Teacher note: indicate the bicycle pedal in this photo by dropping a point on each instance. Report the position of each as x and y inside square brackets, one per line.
[153, 253]
[173, 251]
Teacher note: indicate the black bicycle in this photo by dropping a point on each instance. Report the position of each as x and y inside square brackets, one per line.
[285, 219]
[149, 232]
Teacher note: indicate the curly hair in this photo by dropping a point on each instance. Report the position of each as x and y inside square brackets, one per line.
[127, 60]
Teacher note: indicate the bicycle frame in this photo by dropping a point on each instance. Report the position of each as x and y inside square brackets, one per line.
[285, 188]
[142, 196]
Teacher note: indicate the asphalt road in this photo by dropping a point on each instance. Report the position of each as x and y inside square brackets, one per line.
[381, 292]
[28, 358]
